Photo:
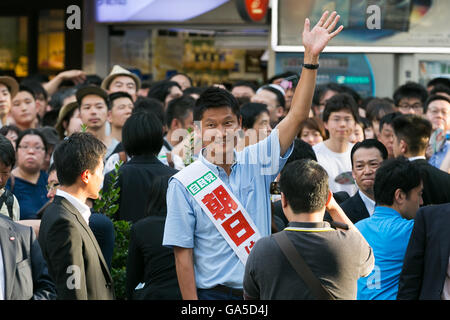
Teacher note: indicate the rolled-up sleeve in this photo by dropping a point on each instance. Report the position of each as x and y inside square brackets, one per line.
[180, 221]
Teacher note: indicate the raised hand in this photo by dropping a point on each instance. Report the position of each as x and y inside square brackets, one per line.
[315, 40]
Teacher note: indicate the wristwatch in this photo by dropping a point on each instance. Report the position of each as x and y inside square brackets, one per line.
[310, 66]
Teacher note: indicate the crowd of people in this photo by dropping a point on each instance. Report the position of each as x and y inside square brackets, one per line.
[287, 191]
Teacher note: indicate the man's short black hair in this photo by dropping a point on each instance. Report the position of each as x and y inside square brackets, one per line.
[250, 112]
[393, 174]
[161, 89]
[439, 81]
[340, 102]
[319, 90]
[214, 97]
[193, 90]
[432, 98]
[414, 130]
[302, 150]
[410, 90]
[36, 87]
[355, 95]
[7, 153]
[117, 95]
[143, 104]
[142, 134]
[281, 76]
[93, 79]
[378, 107]
[388, 119]
[280, 96]
[26, 88]
[181, 74]
[243, 83]
[79, 152]
[440, 89]
[179, 109]
[305, 186]
[368, 144]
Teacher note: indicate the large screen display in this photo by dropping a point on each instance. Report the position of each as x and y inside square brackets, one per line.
[152, 10]
[396, 26]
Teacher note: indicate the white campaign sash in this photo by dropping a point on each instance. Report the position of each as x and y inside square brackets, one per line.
[221, 206]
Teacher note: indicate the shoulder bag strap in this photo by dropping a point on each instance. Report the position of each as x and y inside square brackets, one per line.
[299, 265]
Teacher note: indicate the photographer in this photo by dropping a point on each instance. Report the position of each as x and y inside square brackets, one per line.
[336, 258]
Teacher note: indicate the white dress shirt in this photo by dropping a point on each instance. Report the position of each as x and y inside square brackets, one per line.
[417, 158]
[369, 203]
[82, 208]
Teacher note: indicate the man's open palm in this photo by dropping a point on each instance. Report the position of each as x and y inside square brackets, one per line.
[315, 40]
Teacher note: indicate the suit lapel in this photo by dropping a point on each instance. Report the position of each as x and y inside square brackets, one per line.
[364, 212]
[8, 243]
[69, 207]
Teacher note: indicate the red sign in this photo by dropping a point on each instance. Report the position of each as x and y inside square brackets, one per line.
[252, 10]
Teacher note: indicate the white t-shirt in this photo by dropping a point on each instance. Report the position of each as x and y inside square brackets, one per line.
[335, 164]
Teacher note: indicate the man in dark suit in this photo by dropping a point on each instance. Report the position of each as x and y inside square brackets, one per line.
[426, 267]
[74, 258]
[411, 136]
[366, 157]
[142, 138]
[23, 271]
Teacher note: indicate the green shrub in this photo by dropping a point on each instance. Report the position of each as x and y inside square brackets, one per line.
[108, 204]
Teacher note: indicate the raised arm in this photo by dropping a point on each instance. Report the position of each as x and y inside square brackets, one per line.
[314, 41]
[77, 77]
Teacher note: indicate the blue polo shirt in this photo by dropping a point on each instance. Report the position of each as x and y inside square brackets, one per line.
[187, 226]
[387, 232]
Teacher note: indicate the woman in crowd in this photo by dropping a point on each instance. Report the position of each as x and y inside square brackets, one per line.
[68, 120]
[255, 123]
[28, 182]
[11, 132]
[312, 131]
[151, 272]
[165, 91]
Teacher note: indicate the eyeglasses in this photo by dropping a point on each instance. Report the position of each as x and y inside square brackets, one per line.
[34, 148]
[406, 107]
[52, 186]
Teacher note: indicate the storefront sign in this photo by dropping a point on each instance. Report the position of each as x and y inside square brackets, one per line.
[252, 10]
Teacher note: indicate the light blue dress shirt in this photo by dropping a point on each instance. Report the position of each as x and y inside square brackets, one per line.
[187, 226]
[437, 158]
[388, 233]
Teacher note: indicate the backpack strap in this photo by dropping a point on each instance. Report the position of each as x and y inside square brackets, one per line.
[8, 198]
[300, 266]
